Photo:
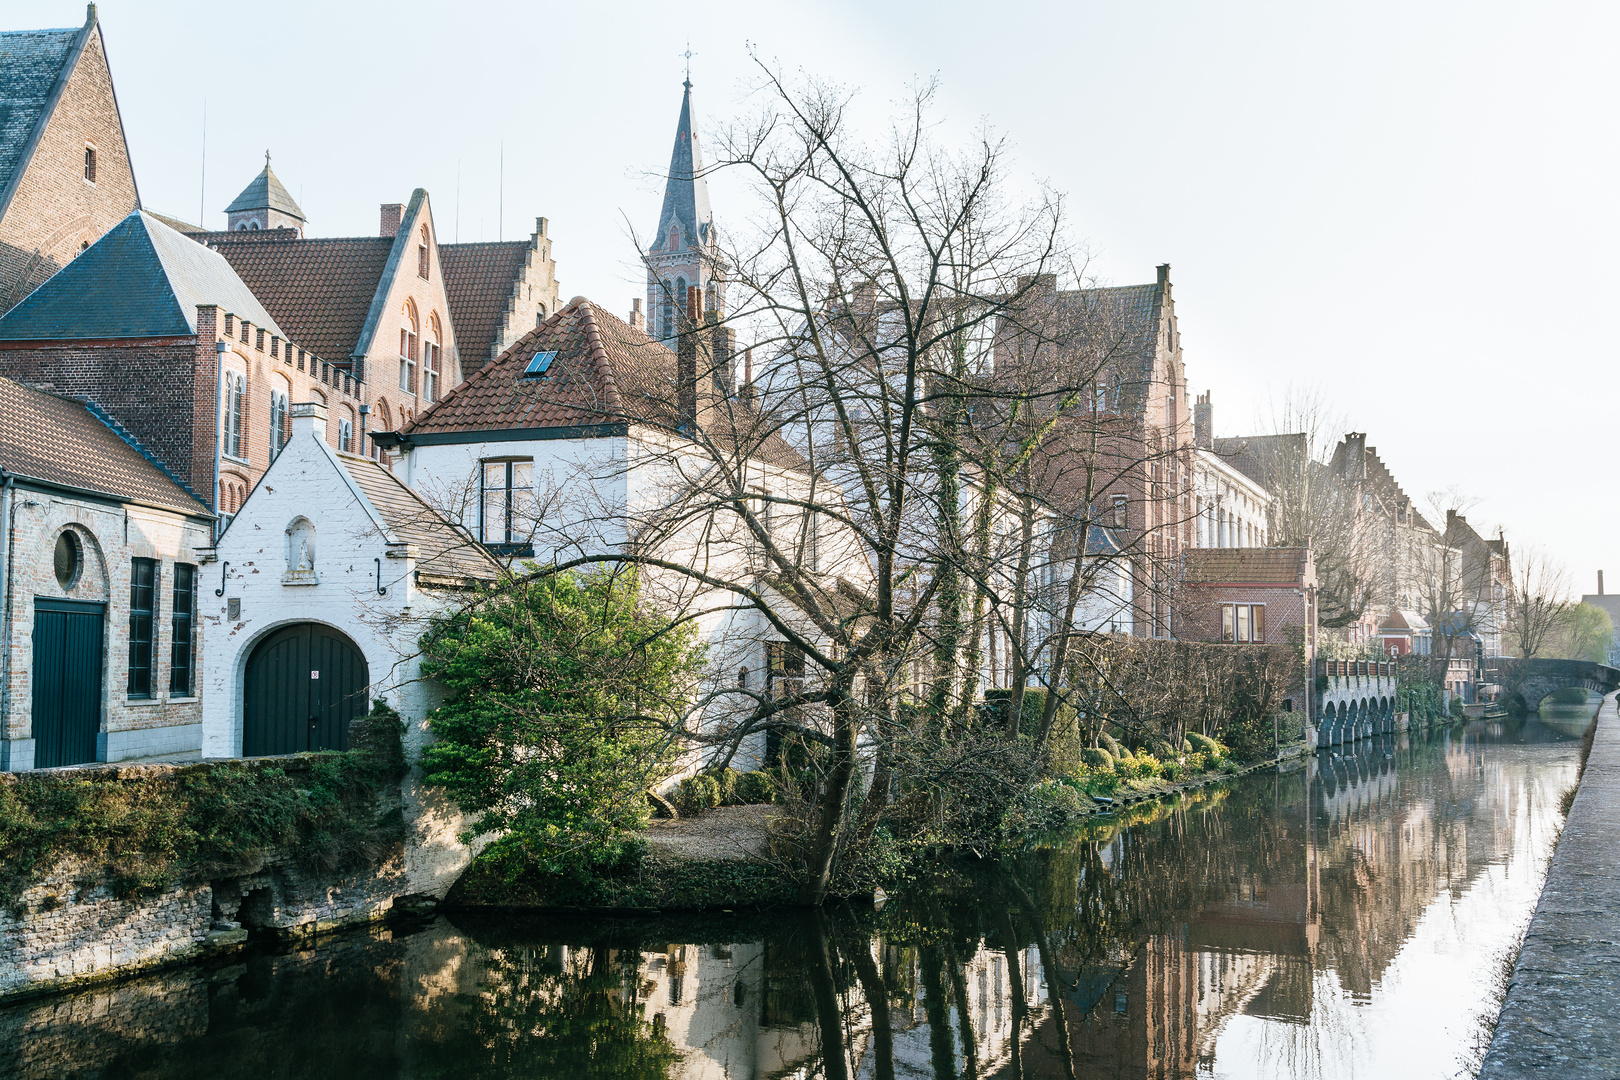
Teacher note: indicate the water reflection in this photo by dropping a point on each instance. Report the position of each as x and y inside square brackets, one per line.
[1341, 918]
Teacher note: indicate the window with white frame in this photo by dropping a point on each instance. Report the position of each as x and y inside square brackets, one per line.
[409, 344]
[235, 404]
[1243, 624]
[432, 356]
[278, 422]
[346, 435]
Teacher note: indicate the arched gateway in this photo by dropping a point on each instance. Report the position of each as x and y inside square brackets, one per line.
[303, 685]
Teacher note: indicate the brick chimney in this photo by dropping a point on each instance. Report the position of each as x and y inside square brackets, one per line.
[1600, 583]
[686, 358]
[637, 318]
[1204, 423]
[391, 213]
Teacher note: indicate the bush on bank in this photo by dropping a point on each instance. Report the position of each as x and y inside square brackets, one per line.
[147, 827]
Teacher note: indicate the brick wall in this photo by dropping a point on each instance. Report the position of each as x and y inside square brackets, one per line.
[55, 210]
[1198, 610]
[165, 392]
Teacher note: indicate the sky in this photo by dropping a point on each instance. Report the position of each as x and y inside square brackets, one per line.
[1406, 207]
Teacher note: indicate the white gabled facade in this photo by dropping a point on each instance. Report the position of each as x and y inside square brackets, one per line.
[310, 547]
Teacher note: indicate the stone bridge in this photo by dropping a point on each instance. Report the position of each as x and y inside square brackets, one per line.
[1531, 680]
[1355, 700]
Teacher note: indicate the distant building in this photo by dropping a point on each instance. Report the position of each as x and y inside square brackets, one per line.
[685, 248]
[1229, 506]
[264, 204]
[498, 291]
[1609, 602]
[65, 176]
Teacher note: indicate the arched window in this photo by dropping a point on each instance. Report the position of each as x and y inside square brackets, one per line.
[385, 422]
[241, 226]
[254, 226]
[539, 314]
[234, 399]
[278, 420]
[666, 312]
[422, 255]
[433, 355]
[409, 342]
[346, 431]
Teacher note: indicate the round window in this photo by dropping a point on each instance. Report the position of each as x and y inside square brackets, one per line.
[68, 559]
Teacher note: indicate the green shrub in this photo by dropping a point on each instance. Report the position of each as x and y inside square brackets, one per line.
[726, 779]
[1146, 767]
[1110, 744]
[1163, 750]
[1196, 763]
[755, 787]
[1097, 759]
[1205, 745]
[1171, 770]
[1125, 765]
[696, 794]
[1047, 805]
[1186, 746]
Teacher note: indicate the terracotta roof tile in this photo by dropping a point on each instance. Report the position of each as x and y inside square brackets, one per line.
[478, 280]
[1249, 566]
[442, 549]
[604, 372]
[58, 440]
[319, 290]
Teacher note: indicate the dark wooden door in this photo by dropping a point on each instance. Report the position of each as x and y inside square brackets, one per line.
[303, 686]
[67, 681]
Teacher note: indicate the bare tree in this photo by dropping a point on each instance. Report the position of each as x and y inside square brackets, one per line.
[1539, 601]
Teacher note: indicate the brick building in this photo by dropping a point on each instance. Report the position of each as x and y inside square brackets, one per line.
[1248, 596]
[99, 636]
[65, 176]
[499, 291]
[164, 336]
[1135, 472]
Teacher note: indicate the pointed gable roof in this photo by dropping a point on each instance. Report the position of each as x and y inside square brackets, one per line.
[478, 283]
[686, 192]
[34, 69]
[443, 550]
[142, 279]
[264, 192]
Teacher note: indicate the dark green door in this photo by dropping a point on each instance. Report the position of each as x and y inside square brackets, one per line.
[67, 681]
[303, 685]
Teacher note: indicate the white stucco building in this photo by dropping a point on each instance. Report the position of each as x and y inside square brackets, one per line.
[313, 601]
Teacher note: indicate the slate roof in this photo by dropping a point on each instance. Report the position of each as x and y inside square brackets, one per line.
[31, 63]
[1246, 566]
[686, 192]
[605, 371]
[265, 191]
[443, 550]
[142, 279]
[319, 289]
[57, 440]
[478, 281]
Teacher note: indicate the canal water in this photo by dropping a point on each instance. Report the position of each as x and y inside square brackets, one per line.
[1349, 916]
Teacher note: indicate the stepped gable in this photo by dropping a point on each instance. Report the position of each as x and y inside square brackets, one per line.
[605, 374]
[478, 283]
[141, 280]
[319, 289]
[443, 550]
[67, 444]
[1247, 566]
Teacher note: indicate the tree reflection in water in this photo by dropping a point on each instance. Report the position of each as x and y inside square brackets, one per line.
[1243, 924]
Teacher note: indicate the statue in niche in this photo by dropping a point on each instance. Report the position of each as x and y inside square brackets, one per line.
[300, 553]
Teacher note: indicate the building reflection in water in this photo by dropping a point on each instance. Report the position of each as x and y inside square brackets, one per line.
[1236, 924]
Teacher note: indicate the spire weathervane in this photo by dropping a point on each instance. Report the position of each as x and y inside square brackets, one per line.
[688, 54]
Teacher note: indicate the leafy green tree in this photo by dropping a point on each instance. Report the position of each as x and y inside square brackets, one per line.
[1584, 633]
[566, 700]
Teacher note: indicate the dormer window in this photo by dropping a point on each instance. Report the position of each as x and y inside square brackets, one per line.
[90, 164]
[538, 365]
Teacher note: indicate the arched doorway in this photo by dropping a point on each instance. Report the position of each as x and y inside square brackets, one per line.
[303, 685]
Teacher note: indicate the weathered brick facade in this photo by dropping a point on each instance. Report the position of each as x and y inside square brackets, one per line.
[51, 211]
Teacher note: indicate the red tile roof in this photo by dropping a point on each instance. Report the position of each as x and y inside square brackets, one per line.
[58, 440]
[604, 372]
[443, 550]
[478, 279]
[1247, 566]
[318, 290]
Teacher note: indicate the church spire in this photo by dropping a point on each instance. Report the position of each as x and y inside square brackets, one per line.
[685, 222]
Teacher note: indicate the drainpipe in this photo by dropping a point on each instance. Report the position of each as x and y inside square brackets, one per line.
[8, 536]
[219, 428]
[365, 411]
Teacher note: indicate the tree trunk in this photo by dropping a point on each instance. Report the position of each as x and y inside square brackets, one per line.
[830, 811]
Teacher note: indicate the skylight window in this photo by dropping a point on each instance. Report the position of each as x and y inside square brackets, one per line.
[537, 366]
